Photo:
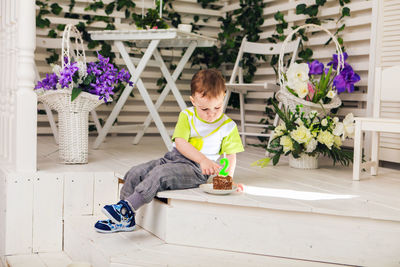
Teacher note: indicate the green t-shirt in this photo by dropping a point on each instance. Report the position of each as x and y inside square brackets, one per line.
[210, 138]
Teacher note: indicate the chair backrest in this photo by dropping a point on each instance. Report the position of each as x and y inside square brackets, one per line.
[261, 49]
[387, 87]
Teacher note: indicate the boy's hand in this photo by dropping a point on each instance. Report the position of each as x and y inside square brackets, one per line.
[209, 167]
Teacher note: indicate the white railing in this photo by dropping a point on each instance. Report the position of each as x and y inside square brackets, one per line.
[18, 103]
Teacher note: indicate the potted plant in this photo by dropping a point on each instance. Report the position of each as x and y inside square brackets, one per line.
[303, 137]
[73, 91]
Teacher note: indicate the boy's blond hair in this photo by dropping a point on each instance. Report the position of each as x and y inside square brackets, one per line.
[208, 83]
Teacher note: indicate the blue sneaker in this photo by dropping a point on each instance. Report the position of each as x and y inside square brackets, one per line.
[108, 226]
[119, 213]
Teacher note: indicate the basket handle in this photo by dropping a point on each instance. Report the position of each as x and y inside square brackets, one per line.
[284, 44]
[71, 50]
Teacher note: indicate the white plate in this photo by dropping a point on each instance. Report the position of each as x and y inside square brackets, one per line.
[208, 188]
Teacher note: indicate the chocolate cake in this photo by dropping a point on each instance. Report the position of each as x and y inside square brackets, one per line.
[222, 183]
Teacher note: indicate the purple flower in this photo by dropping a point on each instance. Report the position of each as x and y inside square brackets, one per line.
[346, 80]
[335, 61]
[100, 78]
[48, 83]
[67, 73]
[315, 67]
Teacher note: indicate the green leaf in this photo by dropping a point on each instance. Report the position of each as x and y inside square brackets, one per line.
[300, 9]
[56, 9]
[110, 8]
[60, 27]
[52, 34]
[75, 93]
[320, 2]
[312, 10]
[346, 11]
[88, 80]
[276, 158]
[278, 16]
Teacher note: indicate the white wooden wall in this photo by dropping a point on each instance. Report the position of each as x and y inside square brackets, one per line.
[387, 54]
[356, 36]
[18, 100]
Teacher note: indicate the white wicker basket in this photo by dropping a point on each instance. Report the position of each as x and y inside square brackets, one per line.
[289, 100]
[305, 162]
[72, 116]
[72, 123]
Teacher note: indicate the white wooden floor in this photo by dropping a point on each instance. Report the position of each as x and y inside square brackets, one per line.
[278, 190]
[328, 190]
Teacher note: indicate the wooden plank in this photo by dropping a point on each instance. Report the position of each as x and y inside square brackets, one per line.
[78, 193]
[48, 213]
[105, 190]
[19, 196]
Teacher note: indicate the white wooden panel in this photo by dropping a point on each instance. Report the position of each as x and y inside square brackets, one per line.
[25, 260]
[105, 190]
[3, 202]
[48, 212]
[289, 234]
[78, 193]
[19, 212]
[153, 218]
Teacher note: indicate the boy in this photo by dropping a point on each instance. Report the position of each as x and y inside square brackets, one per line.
[201, 135]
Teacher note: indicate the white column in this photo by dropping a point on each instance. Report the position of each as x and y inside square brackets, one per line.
[26, 100]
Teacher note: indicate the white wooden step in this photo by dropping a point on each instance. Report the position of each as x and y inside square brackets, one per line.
[52, 259]
[141, 248]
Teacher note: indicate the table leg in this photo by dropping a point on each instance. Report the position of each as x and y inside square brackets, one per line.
[145, 95]
[135, 72]
[167, 88]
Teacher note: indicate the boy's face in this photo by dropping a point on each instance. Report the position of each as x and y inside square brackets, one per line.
[208, 109]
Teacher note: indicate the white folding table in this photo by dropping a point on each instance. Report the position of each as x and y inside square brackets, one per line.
[152, 40]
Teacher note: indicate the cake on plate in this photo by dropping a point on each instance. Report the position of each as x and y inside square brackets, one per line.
[222, 182]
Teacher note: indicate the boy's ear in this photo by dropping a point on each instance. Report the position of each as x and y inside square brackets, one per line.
[192, 100]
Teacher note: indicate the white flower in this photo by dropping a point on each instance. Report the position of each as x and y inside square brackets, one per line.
[299, 122]
[326, 138]
[301, 89]
[311, 145]
[297, 76]
[331, 94]
[279, 130]
[335, 120]
[339, 128]
[287, 143]
[313, 113]
[82, 69]
[301, 134]
[337, 141]
[297, 73]
[324, 122]
[56, 69]
[348, 125]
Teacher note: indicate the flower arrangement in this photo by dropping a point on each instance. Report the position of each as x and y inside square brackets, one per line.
[310, 134]
[319, 84]
[100, 78]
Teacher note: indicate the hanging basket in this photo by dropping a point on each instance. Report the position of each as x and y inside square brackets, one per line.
[289, 100]
[73, 116]
[72, 123]
[304, 162]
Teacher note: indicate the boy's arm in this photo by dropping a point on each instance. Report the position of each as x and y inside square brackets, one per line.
[208, 167]
[232, 163]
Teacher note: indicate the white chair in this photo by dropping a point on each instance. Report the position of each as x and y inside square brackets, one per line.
[387, 88]
[243, 88]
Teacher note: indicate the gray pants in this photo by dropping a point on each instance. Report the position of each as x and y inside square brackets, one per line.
[173, 171]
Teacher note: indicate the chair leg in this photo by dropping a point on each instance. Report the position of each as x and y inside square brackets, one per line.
[357, 151]
[374, 153]
[242, 117]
